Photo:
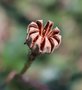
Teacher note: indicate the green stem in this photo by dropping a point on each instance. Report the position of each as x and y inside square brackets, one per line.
[31, 58]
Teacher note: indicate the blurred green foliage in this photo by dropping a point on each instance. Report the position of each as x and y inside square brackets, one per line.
[15, 15]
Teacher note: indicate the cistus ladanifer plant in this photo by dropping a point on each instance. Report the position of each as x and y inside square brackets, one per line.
[41, 39]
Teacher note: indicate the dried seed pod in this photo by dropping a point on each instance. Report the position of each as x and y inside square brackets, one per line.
[43, 39]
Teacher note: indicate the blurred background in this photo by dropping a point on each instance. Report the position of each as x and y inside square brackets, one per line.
[61, 70]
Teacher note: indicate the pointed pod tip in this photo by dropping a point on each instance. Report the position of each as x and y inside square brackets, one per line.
[56, 28]
[50, 22]
[40, 21]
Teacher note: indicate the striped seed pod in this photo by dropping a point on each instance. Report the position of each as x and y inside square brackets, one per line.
[42, 37]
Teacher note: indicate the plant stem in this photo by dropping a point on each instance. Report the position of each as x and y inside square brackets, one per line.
[31, 58]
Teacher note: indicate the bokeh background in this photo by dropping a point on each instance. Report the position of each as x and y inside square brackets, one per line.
[61, 70]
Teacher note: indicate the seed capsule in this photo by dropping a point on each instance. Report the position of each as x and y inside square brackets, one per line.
[43, 39]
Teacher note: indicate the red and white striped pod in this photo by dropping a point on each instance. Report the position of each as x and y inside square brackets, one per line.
[44, 37]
